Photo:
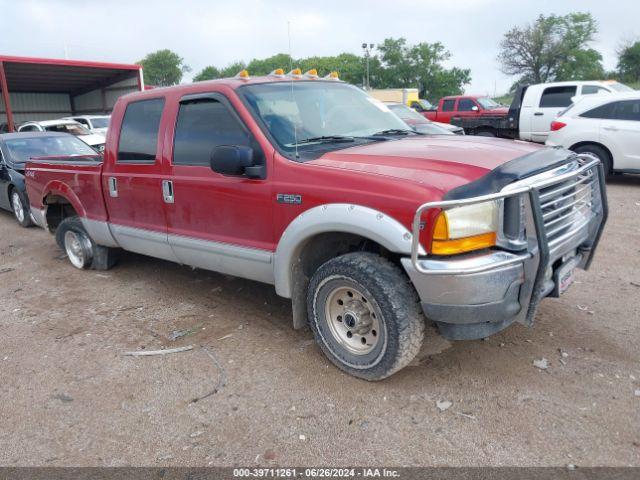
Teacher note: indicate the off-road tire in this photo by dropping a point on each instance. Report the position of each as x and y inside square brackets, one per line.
[101, 258]
[26, 210]
[602, 155]
[390, 291]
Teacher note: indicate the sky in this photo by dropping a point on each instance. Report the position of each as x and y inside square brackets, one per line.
[212, 32]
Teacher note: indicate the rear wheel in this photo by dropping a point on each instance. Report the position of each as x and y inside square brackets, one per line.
[600, 153]
[486, 133]
[365, 315]
[20, 207]
[82, 252]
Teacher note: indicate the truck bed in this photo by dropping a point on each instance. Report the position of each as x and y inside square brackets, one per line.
[78, 179]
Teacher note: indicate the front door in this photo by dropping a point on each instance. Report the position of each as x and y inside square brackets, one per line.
[132, 182]
[553, 101]
[217, 222]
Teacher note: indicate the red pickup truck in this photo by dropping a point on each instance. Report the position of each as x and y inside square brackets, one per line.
[311, 185]
[463, 106]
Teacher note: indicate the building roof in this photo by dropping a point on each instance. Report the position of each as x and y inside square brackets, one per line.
[26, 74]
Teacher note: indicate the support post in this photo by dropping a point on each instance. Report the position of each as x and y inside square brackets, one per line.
[5, 96]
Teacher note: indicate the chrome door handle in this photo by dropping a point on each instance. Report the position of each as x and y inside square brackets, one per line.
[167, 191]
[113, 187]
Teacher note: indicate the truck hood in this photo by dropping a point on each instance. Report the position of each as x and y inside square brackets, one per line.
[500, 111]
[442, 162]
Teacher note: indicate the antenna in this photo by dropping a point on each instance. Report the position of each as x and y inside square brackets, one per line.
[295, 130]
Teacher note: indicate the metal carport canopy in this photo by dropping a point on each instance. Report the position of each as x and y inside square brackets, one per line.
[46, 75]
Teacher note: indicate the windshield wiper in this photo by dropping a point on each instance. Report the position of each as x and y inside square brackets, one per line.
[393, 131]
[326, 139]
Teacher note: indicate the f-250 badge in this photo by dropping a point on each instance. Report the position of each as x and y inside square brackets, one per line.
[291, 198]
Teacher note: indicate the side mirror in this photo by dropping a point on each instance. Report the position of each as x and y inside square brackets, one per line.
[235, 160]
[474, 108]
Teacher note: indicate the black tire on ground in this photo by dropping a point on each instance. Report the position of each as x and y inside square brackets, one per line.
[486, 133]
[381, 296]
[89, 254]
[601, 153]
[20, 207]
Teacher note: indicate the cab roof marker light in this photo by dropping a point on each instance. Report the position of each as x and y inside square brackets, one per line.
[243, 75]
[296, 73]
[278, 72]
[332, 76]
[312, 73]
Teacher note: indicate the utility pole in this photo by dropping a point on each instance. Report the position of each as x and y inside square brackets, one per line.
[367, 47]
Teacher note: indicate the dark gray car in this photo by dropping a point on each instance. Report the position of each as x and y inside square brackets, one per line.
[15, 150]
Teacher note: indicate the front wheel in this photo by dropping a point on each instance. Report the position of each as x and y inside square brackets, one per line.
[365, 315]
[20, 208]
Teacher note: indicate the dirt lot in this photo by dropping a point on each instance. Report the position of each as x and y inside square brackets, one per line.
[69, 396]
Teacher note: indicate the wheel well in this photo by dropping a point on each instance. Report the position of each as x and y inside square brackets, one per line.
[608, 152]
[58, 208]
[316, 251]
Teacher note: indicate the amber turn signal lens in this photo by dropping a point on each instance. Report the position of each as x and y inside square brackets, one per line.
[461, 245]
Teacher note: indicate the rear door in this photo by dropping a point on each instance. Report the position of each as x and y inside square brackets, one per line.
[552, 101]
[132, 181]
[448, 110]
[217, 222]
[621, 133]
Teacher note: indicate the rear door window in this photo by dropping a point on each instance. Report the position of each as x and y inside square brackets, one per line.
[447, 105]
[628, 110]
[602, 112]
[202, 126]
[139, 132]
[593, 89]
[557, 96]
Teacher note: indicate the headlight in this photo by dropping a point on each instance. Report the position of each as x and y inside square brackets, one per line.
[466, 228]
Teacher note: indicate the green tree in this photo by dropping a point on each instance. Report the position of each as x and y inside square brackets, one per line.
[629, 63]
[207, 73]
[421, 66]
[163, 68]
[552, 48]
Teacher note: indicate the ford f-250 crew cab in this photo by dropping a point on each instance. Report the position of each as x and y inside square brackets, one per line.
[311, 185]
[464, 106]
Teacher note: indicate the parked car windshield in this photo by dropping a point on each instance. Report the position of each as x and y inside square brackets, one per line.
[100, 122]
[294, 112]
[425, 104]
[22, 149]
[406, 113]
[72, 128]
[488, 103]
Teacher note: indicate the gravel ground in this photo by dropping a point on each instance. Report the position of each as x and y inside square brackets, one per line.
[70, 396]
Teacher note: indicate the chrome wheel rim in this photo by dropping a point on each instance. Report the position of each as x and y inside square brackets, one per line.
[353, 320]
[73, 245]
[18, 209]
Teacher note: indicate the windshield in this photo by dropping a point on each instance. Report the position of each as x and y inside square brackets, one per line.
[406, 113]
[22, 149]
[425, 104]
[620, 87]
[100, 122]
[294, 112]
[488, 103]
[72, 128]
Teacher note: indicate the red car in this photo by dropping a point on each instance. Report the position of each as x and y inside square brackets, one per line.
[460, 106]
[314, 187]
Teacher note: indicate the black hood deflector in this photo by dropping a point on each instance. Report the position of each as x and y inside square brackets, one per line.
[512, 171]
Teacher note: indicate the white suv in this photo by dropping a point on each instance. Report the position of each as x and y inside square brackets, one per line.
[96, 123]
[606, 126]
[66, 126]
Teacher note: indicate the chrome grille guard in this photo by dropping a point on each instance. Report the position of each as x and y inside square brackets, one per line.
[534, 212]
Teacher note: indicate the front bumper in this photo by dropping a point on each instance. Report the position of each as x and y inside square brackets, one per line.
[478, 294]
